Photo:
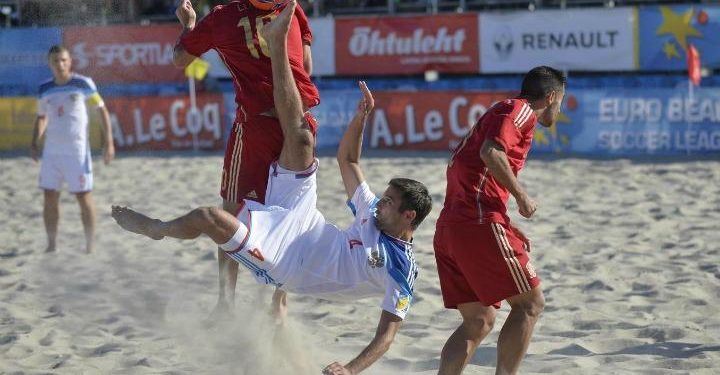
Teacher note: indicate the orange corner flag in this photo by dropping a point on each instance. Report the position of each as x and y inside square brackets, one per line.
[693, 61]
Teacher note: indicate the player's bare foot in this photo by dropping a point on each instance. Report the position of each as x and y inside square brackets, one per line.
[276, 31]
[90, 247]
[50, 248]
[221, 313]
[279, 308]
[136, 222]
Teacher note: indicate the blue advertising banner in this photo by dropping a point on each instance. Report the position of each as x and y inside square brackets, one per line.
[598, 123]
[635, 122]
[23, 56]
[334, 113]
[666, 31]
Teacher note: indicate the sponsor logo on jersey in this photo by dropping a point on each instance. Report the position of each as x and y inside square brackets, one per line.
[403, 303]
[531, 270]
[376, 259]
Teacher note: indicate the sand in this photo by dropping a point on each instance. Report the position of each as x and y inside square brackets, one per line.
[628, 252]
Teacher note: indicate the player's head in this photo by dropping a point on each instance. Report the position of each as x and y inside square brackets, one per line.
[59, 60]
[403, 206]
[268, 4]
[544, 87]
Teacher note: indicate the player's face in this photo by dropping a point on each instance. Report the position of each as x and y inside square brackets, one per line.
[388, 212]
[60, 64]
[550, 116]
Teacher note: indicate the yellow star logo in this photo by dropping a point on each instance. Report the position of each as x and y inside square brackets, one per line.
[677, 25]
[670, 50]
[541, 136]
[563, 118]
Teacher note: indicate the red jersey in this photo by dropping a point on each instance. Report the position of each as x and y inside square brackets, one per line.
[232, 30]
[473, 194]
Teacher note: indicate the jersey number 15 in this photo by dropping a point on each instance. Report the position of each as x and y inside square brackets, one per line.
[250, 37]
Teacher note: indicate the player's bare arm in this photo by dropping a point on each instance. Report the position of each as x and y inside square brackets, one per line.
[38, 132]
[494, 157]
[350, 148]
[187, 17]
[387, 328]
[107, 137]
[307, 59]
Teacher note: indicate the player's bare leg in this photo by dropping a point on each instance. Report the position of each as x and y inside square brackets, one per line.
[217, 224]
[279, 306]
[518, 329]
[51, 217]
[297, 153]
[227, 277]
[478, 321]
[87, 213]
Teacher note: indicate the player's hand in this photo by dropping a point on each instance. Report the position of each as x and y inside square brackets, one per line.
[186, 14]
[367, 102]
[34, 153]
[522, 236]
[336, 369]
[526, 206]
[108, 154]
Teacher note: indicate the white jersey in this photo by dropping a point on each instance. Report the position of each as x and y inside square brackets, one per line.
[291, 246]
[66, 113]
[358, 262]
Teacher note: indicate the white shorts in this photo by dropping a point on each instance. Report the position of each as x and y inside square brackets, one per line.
[278, 228]
[76, 170]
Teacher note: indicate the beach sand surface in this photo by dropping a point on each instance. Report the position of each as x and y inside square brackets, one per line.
[629, 255]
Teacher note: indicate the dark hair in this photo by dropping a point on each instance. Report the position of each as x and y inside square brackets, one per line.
[57, 49]
[415, 197]
[541, 81]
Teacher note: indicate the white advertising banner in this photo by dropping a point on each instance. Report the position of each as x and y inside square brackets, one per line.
[323, 51]
[586, 39]
[323, 46]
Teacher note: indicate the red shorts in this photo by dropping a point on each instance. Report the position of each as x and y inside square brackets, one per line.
[251, 148]
[484, 263]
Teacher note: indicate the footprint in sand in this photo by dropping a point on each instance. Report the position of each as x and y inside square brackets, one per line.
[48, 339]
[4, 340]
[143, 362]
[571, 350]
[60, 362]
[103, 349]
[54, 311]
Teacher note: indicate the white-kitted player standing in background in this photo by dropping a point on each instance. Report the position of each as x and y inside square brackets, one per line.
[63, 121]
